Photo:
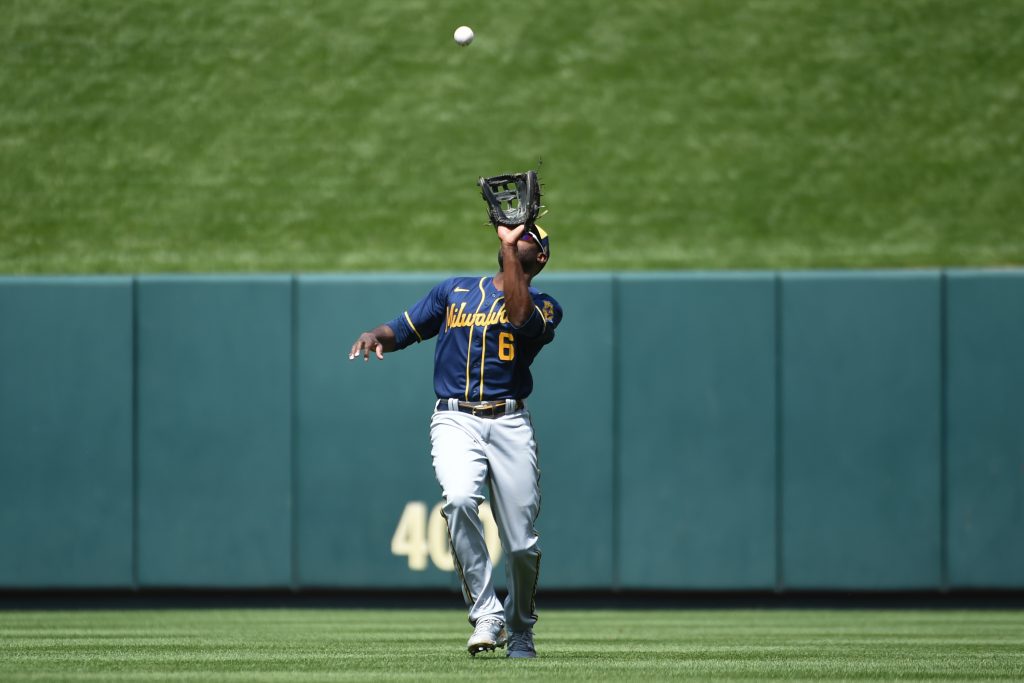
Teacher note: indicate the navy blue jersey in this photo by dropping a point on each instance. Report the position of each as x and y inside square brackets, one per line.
[480, 355]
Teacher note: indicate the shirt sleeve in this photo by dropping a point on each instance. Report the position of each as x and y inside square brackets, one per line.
[543, 320]
[423, 319]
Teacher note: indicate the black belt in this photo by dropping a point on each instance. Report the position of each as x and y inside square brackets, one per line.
[480, 408]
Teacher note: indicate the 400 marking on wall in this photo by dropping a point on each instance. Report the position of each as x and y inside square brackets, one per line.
[421, 537]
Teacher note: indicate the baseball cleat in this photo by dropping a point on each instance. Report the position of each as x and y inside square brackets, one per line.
[488, 635]
[520, 645]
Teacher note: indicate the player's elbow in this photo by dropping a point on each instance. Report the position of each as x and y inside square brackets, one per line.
[519, 316]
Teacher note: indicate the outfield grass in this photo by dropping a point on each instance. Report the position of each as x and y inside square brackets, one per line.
[255, 135]
[316, 645]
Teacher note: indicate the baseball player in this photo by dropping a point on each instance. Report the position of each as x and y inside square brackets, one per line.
[489, 330]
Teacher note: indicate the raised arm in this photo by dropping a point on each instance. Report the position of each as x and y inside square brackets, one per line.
[518, 303]
[379, 340]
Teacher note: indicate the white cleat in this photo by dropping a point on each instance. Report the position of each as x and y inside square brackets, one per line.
[488, 635]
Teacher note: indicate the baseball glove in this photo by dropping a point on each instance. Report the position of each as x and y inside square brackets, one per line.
[512, 199]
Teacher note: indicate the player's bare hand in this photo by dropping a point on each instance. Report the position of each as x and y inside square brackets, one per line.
[509, 235]
[366, 344]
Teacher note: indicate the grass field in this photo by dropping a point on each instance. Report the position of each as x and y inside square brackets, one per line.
[253, 135]
[320, 645]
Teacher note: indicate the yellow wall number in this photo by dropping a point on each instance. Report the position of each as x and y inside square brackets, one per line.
[410, 537]
[506, 346]
[420, 537]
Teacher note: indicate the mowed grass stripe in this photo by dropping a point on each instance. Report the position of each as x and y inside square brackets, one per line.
[333, 644]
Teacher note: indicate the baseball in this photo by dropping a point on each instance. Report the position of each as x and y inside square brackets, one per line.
[464, 35]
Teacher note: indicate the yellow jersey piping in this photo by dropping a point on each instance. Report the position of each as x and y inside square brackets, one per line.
[483, 353]
[469, 342]
[409, 320]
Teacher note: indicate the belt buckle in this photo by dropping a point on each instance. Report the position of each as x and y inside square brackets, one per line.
[487, 409]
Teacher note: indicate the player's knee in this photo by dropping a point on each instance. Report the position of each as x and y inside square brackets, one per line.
[458, 504]
[525, 553]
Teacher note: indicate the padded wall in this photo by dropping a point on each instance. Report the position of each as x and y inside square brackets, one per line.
[696, 418]
[861, 434]
[214, 431]
[816, 430]
[66, 432]
[985, 426]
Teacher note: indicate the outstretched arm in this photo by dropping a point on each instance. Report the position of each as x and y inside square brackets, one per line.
[379, 340]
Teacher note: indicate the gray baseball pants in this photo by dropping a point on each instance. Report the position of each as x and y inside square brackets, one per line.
[470, 452]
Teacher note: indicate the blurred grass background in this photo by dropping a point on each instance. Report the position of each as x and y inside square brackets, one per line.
[310, 135]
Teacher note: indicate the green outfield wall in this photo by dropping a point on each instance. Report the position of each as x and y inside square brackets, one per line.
[854, 430]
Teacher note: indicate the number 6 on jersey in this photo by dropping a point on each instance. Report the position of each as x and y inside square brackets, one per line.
[506, 346]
